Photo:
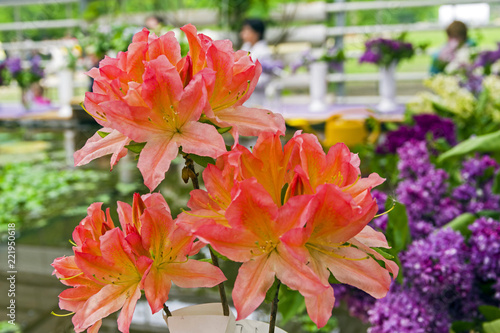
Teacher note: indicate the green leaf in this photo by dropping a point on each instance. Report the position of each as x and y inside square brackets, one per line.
[461, 224]
[383, 253]
[206, 260]
[135, 147]
[489, 312]
[494, 214]
[202, 160]
[462, 326]
[224, 129]
[102, 134]
[291, 304]
[483, 143]
[496, 184]
[492, 327]
[397, 232]
[272, 292]
[283, 193]
[218, 255]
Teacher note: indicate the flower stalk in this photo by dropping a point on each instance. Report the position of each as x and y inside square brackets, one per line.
[274, 309]
[189, 172]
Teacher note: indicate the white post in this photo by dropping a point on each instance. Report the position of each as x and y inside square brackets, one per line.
[318, 86]
[65, 77]
[387, 88]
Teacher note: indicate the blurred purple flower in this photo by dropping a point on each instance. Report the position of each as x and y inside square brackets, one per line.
[357, 301]
[381, 221]
[406, 311]
[437, 266]
[14, 65]
[485, 249]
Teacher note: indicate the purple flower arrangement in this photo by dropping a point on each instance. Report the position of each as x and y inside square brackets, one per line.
[24, 76]
[383, 52]
[424, 125]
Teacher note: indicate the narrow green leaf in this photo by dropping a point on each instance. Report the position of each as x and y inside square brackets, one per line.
[224, 129]
[283, 193]
[102, 134]
[135, 147]
[272, 292]
[461, 224]
[483, 143]
[462, 326]
[492, 327]
[383, 253]
[397, 232]
[489, 312]
[291, 304]
[496, 184]
[202, 160]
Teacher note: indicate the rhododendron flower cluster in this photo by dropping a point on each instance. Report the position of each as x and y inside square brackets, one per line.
[111, 266]
[150, 94]
[295, 213]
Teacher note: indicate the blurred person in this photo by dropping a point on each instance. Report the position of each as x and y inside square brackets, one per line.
[455, 53]
[252, 34]
[155, 24]
[37, 94]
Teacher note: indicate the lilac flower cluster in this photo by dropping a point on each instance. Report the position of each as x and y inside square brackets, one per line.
[383, 52]
[425, 124]
[475, 194]
[406, 311]
[485, 251]
[437, 266]
[14, 65]
[486, 59]
[36, 68]
[357, 301]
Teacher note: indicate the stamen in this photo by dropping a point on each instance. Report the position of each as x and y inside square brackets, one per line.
[206, 216]
[352, 185]
[71, 242]
[62, 315]
[333, 254]
[71, 277]
[390, 209]
[103, 116]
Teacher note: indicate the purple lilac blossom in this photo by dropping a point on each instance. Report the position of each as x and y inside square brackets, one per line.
[485, 251]
[437, 266]
[357, 301]
[424, 124]
[36, 68]
[14, 65]
[413, 159]
[406, 311]
[382, 52]
[475, 193]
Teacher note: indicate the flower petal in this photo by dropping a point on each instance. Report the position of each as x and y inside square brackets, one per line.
[97, 146]
[254, 279]
[319, 307]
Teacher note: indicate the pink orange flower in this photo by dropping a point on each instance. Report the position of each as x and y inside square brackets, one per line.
[256, 225]
[151, 95]
[111, 267]
[337, 239]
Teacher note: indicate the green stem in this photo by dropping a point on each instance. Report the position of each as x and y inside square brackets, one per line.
[274, 309]
[190, 173]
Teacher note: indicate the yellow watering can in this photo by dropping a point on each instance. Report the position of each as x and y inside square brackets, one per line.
[348, 126]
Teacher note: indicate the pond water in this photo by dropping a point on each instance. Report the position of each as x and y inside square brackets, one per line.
[46, 197]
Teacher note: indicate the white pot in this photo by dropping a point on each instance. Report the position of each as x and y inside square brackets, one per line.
[201, 318]
[65, 77]
[387, 88]
[318, 86]
[253, 326]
